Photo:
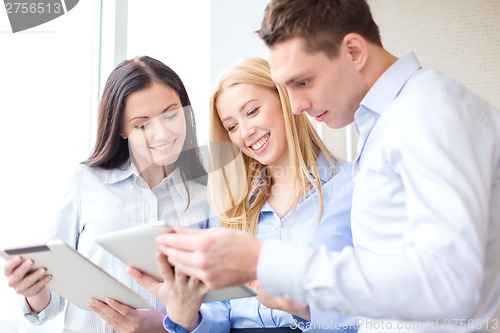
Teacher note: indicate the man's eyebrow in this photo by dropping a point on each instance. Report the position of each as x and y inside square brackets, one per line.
[289, 82]
[297, 78]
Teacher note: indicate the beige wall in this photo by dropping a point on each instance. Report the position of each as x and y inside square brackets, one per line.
[458, 37]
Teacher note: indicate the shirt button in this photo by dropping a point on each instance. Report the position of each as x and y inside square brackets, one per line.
[151, 201]
[131, 187]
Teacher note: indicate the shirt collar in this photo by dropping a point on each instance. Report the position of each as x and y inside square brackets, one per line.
[123, 172]
[390, 83]
[128, 169]
[325, 171]
[175, 179]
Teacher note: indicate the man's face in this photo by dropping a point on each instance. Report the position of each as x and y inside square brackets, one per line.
[323, 87]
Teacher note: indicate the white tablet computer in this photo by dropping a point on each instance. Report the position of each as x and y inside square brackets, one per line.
[74, 277]
[137, 248]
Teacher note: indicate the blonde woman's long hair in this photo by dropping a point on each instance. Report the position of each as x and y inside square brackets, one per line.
[234, 192]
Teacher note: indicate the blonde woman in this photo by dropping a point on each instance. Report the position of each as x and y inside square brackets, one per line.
[294, 191]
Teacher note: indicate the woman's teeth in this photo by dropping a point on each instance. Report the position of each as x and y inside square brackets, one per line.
[260, 143]
[168, 145]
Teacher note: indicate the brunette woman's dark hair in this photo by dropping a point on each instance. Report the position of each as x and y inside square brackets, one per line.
[111, 150]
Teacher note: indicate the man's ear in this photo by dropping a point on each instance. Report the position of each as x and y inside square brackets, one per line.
[356, 49]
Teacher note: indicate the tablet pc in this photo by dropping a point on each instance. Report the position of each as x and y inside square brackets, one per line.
[74, 277]
[137, 248]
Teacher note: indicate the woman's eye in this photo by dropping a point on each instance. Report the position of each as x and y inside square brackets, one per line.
[140, 127]
[303, 83]
[170, 115]
[231, 128]
[253, 111]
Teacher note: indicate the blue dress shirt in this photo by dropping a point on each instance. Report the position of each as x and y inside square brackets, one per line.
[299, 227]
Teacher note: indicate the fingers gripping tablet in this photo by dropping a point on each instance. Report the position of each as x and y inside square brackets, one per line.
[137, 247]
[74, 277]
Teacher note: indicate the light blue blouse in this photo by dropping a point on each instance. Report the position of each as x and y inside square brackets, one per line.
[301, 227]
[99, 201]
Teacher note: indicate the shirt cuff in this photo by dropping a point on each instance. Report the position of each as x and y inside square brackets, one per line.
[55, 306]
[329, 321]
[172, 327]
[204, 326]
[282, 267]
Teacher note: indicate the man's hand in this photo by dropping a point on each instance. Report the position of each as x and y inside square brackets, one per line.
[298, 309]
[219, 257]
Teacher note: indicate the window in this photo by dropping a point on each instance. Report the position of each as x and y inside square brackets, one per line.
[49, 99]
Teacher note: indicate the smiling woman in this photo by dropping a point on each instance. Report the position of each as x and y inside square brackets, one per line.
[154, 124]
[246, 114]
[145, 167]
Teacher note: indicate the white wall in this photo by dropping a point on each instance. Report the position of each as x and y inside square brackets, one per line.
[459, 38]
[176, 33]
[232, 33]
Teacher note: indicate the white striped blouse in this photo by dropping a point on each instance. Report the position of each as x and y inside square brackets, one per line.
[99, 201]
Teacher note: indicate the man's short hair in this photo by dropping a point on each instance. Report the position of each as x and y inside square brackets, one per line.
[322, 24]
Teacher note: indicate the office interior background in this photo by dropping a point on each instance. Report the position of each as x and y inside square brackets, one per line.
[51, 78]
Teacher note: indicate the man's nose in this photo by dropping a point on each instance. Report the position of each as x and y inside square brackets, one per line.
[297, 102]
